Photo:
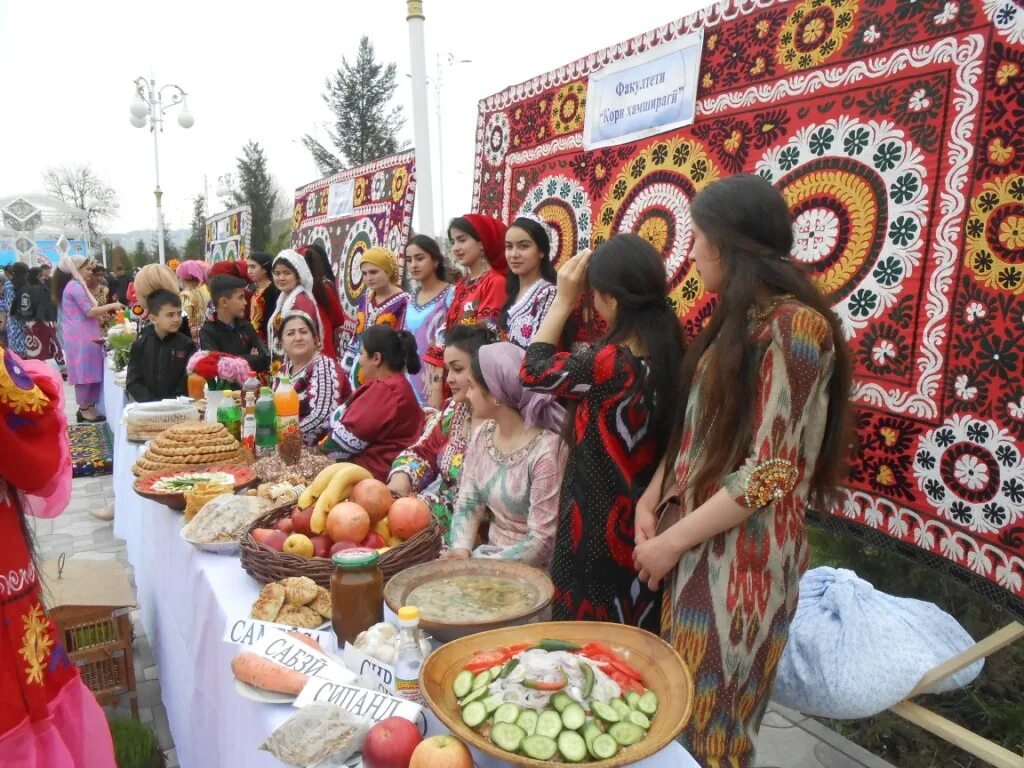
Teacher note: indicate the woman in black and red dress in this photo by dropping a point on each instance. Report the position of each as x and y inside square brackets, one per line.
[623, 390]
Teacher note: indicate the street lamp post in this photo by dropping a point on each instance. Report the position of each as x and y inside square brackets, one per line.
[452, 61]
[149, 103]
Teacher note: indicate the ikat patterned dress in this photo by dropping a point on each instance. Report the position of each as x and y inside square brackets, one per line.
[391, 312]
[526, 315]
[728, 606]
[612, 458]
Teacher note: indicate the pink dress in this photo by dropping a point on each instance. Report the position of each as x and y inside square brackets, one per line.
[83, 356]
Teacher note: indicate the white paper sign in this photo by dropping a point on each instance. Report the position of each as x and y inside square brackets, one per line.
[294, 654]
[339, 199]
[245, 631]
[647, 94]
[368, 667]
[373, 705]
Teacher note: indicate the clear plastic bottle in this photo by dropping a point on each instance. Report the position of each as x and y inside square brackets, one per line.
[249, 421]
[410, 655]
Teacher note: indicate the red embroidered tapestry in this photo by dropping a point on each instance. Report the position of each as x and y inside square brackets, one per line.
[895, 130]
[372, 206]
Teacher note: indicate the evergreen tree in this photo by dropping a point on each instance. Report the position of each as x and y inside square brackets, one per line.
[141, 255]
[366, 126]
[256, 188]
[195, 247]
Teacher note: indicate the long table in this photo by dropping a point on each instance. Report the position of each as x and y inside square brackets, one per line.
[186, 598]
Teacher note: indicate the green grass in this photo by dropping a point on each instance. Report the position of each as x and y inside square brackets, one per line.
[992, 706]
[135, 745]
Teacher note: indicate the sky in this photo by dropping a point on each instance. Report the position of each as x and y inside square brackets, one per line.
[256, 70]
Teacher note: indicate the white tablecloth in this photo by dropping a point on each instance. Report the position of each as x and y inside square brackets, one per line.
[186, 598]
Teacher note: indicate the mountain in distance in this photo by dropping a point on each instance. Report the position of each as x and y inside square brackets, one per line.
[127, 240]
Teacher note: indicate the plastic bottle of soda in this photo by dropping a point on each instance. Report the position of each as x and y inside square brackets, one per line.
[289, 438]
[229, 414]
[266, 423]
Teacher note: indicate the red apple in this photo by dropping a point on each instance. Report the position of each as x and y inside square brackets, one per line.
[261, 534]
[285, 524]
[390, 743]
[341, 546]
[442, 751]
[321, 546]
[275, 540]
[300, 520]
[374, 540]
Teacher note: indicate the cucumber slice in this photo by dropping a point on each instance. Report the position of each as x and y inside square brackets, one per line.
[507, 736]
[496, 670]
[539, 747]
[604, 747]
[591, 732]
[528, 721]
[482, 680]
[633, 700]
[605, 711]
[620, 707]
[474, 714]
[640, 719]
[560, 701]
[463, 683]
[573, 716]
[506, 713]
[572, 746]
[491, 703]
[648, 703]
[549, 724]
[473, 696]
[626, 734]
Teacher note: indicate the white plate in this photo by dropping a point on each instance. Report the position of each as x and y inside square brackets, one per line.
[218, 548]
[260, 696]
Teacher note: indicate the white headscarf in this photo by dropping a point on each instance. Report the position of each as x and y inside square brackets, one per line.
[286, 301]
[71, 265]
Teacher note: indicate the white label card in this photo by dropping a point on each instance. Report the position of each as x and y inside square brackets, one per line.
[372, 705]
[280, 648]
[249, 632]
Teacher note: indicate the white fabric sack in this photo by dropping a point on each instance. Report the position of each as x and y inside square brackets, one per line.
[854, 651]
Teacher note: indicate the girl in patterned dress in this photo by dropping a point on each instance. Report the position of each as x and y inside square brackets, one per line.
[325, 289]
[513, 465]
[317, 379]
[264, 293]
[440, 452]
[763, 435]
[530, 284]
[424, 317]
[195, 297]
[624, 390]
[382, 303]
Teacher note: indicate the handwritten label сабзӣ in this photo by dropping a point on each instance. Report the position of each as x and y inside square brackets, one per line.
[249, 632]
[280, 648]
[372, 705]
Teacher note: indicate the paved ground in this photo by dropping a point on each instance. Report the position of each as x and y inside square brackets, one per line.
[787, 740]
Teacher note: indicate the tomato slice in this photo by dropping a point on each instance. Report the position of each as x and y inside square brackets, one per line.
[486, 659]
[515, 650]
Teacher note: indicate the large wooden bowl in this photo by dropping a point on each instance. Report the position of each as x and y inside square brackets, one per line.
[663, 671]
[401, 585]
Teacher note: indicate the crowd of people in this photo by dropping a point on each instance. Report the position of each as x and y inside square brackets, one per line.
[661, 483]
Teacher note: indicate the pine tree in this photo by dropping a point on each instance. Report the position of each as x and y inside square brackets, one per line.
[365, 125]
[256, 188]
[195, 247]
[141, 255]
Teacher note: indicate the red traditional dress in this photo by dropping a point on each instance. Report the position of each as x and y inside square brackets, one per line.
[380, 419]
[728, 606]
[48, 718]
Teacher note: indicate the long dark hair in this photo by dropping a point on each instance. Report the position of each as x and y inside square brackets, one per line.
[58, 284]
[396, 348]
[540, 238]
[429, 246]
[34, 276]
[19, 275]
[630, 270]
[747, 220]
[323, 274]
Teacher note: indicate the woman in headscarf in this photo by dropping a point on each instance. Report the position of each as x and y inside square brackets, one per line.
[264, 293]
[383, 303]
[236, 268]
[295, 283]
[73, 283]
[513, 468]
[194, 297]
[478, 244]
[48, 717]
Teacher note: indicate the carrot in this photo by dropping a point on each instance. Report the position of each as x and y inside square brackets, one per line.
[307, 640]
[264, 674]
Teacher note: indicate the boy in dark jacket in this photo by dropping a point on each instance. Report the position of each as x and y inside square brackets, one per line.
[229, 331]
[158, 358]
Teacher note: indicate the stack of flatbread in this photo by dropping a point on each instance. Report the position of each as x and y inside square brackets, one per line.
[296, 601]
[191, 444]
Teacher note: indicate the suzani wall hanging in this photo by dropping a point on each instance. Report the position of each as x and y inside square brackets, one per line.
[228, 235]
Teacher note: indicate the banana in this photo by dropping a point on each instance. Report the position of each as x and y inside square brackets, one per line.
[337, 490]
[312, 493]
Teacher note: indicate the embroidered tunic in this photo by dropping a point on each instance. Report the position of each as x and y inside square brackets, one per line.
[322, 387]
[260, 307]
[526, 315]
[426, 323]
[728, 607]
[475, 300]
[517, 492]
[391, 312]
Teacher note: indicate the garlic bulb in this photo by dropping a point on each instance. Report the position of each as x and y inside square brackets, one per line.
[386, 654]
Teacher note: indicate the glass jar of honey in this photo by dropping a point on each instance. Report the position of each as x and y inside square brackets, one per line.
[357, 593]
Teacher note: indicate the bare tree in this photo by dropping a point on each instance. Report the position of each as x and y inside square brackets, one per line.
[80, 186]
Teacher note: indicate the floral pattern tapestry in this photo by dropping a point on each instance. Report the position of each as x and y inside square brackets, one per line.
[380, 214]
[228, 235]
[895, 131]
